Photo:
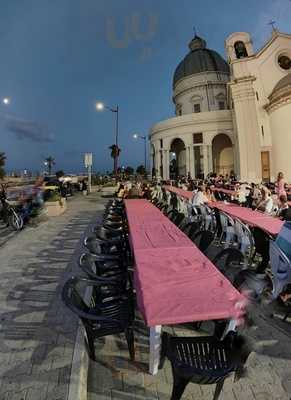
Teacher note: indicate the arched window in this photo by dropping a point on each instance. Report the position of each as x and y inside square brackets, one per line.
[240, 49]
[196, 101]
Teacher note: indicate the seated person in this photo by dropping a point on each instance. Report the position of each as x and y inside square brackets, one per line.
[266, 203]
[284, 211]
[121, 191]
[134, 192]
[199, 197]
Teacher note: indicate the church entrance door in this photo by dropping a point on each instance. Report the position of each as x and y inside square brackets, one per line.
[265, 161]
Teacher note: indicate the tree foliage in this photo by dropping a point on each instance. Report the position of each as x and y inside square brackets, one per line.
[129, 170]
[115, 151]
[140, 170]
[60, 173]
[50, 161]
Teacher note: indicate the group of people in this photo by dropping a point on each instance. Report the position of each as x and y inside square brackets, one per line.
[129, 190]
[271, 199]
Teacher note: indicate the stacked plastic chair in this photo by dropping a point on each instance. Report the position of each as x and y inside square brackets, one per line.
[104, 300]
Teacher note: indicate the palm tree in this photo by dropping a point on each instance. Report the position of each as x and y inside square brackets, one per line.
[2, 164]
[115, 151]
[141, 170]
[49, 161]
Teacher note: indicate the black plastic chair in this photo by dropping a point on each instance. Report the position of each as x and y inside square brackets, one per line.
[190, 228]
[202, 239]
[107, 313]
[102, 270]
[106, 234]
[179, 218]
[99, 247]
[172, 214]
[229, 261]
[262, 247]
[203, 360]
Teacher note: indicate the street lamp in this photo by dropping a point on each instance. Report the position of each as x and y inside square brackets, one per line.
[136, 136]
[6, 101]
[100, 107]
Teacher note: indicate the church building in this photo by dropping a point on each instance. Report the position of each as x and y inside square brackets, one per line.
[230, 116]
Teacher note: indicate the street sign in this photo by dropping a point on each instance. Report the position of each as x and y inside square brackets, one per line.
[88, 158]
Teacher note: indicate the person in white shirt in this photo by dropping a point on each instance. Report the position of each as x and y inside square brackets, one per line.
[200, 197]
[266, 204]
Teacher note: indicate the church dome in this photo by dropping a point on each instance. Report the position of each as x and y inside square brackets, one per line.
[283, 83]
[199, 59]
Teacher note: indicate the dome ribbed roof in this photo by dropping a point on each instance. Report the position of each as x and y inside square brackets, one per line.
[199, 59]
[284, 82]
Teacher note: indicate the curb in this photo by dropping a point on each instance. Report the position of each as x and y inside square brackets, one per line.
[80, 362]
[79, 370]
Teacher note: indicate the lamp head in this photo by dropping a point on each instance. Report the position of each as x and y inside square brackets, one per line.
[135, 136]
[6, 101]
[99, 106]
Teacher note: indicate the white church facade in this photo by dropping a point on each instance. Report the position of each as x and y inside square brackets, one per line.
[230, 116]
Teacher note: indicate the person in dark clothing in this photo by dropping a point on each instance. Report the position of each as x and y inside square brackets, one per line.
[284, 211]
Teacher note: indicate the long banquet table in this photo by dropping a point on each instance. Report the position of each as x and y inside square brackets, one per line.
[174, 281]
[265, 222]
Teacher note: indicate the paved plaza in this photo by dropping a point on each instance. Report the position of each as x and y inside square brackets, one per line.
[37, 332]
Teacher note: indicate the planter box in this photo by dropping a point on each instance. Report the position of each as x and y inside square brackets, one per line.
[55, 208]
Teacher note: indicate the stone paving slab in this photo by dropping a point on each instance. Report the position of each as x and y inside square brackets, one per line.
[37, 332]
[115, 377]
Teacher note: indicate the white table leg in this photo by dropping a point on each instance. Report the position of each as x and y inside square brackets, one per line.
[232, 324]
[155, 348]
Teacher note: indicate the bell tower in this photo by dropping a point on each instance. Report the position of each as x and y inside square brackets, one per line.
[239, 51]
[238, 46]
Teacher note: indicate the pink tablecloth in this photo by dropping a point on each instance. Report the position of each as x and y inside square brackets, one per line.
[180, 192]
[174, 281]
[225, 191]
[253, 218]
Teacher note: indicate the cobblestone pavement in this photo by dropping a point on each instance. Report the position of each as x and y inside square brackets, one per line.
[5, 233]
[37, 332]
[115, 377]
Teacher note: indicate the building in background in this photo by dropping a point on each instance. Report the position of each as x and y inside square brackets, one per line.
[230, 116]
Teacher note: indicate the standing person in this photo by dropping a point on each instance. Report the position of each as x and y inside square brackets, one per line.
[280, 184]
[85, 187]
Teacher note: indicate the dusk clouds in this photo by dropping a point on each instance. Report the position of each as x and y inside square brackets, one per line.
[29, 130]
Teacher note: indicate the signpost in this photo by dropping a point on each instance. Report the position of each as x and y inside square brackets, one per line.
[88, 160]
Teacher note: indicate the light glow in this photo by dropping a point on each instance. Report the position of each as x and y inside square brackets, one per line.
[99, 106]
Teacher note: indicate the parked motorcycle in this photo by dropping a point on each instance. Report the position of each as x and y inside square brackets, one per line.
[8, 213]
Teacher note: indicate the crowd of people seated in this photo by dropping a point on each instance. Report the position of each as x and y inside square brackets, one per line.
[273, 198]
[130, 190]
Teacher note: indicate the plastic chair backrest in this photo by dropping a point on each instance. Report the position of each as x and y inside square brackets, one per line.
[225, 220]
[281, 268]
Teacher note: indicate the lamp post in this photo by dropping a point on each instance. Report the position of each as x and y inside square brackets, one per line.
[100, 107]
[136, 136]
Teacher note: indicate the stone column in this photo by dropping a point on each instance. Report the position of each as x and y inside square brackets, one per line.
[210, 161]
[205, 160]
[187, 159]
[166, 164]
[194, 169]
[191, 161]
[158, 164]
[248, 133]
